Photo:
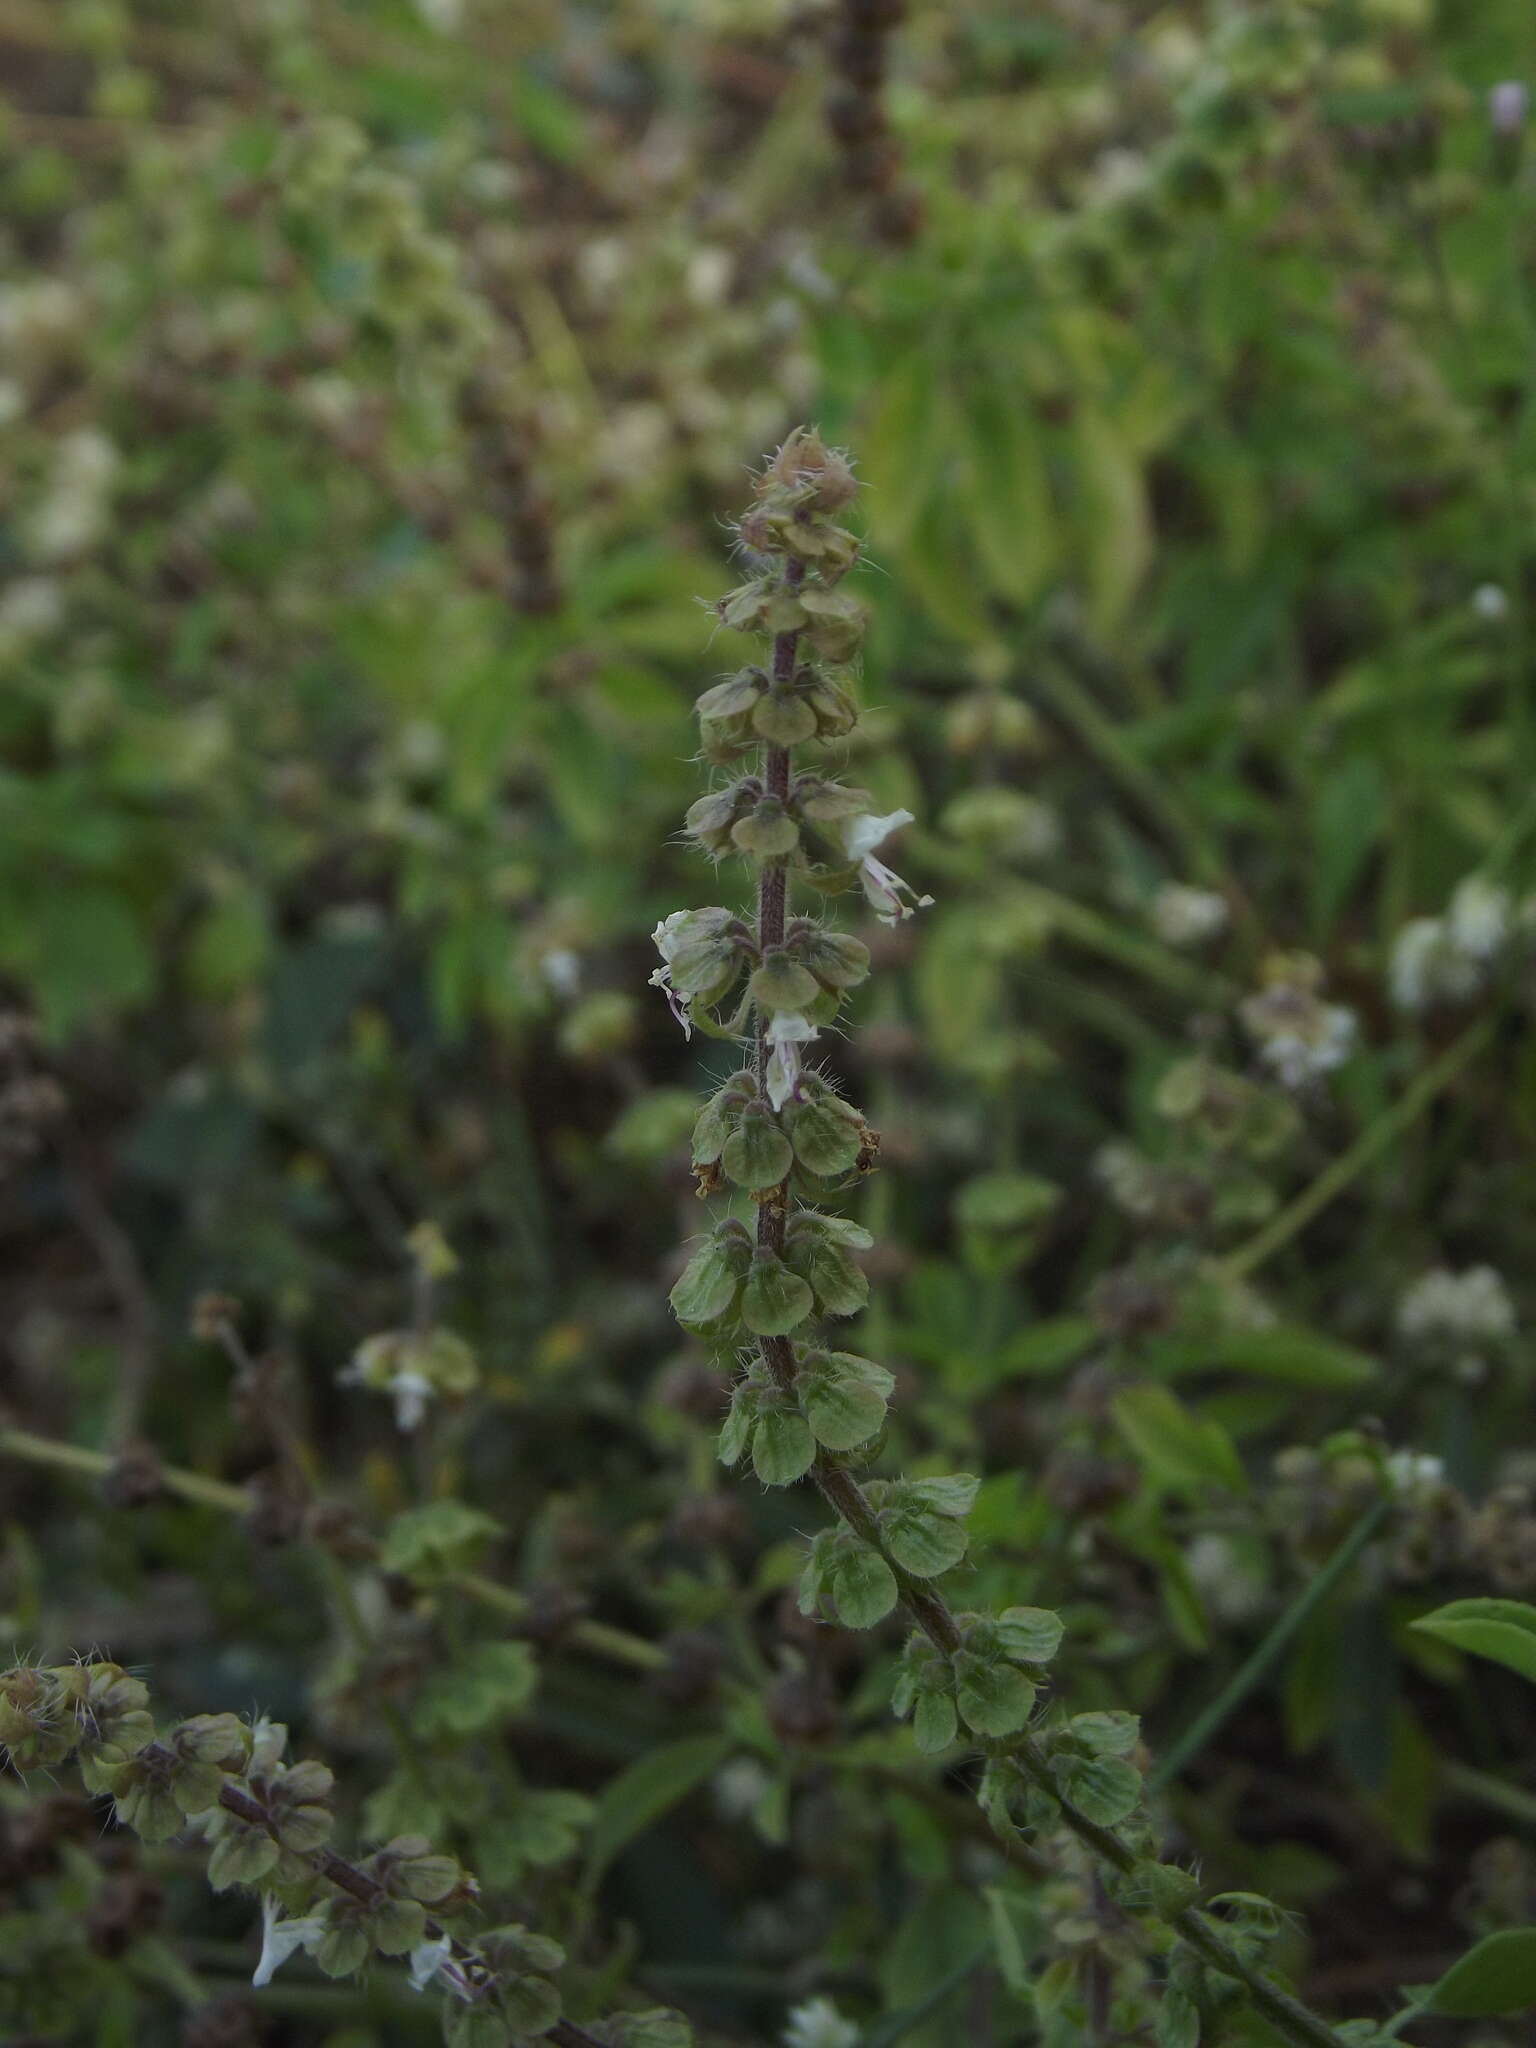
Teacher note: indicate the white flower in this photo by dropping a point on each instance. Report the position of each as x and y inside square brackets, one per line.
[1224, 1576]
[1507, 106]
[427, 1960]
[410, 1392]
[666, 939]
[891, 897]
[1414, 1474]
[788, 1030]
[1468, 1307]
[268, 1741]
[1426, 968]
[561, 968]
[1478, 919]
[1490, 603]
[1443, 959]
[1182, 916]
[279, 1939]
[739, 1785]
[818, 2024]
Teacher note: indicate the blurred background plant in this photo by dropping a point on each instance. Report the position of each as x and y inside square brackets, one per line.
[376, 381]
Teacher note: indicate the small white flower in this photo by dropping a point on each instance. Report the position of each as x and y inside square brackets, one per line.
[1508, 103]
[1425, 967]
[739, 1786]
[561, 968]
[1470, 1307]
[788, 1030]
[1478, 919]
[818, 2024]
[1224, 1576]
[279, 1939]
[268, 1741]
[1414, 1474]
[1299, 1056]
[410, 1392]
[1490, 603]
[891, 898]
[427, 1960]
[665, 939]
[1182, 916]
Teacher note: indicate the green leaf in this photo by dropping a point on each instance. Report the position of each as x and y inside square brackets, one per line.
[1180, 1452]
[82, 952]
[783, 1449]
[1178, 2020]
[643, 1792]
[487, 1686]
[863, 1587]
[1114, 523]
[1050, 1345]
[1008, 499]
[444, 1534]
[1294, 1356]
[1497, 1976]
[1502, 1630]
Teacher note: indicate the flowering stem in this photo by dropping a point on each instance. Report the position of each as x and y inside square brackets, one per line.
[925, 1606]
[1247, 1676]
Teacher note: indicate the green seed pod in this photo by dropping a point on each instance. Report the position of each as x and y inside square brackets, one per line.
[783, 984]
[835, 958]
[757, 1154]
[845, 1397]
[717, 1119]
[825, 802]
[710, 820]
[836, 712]
[827, 1135]
[783, 1449]
[733, 698]
[835, 622]
[709, 1282]
[774, 1300]
[783, 718]
[767, 830]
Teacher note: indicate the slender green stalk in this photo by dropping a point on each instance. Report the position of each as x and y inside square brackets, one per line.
[598, 1638]
[1347, 1168]
[1252, 1669]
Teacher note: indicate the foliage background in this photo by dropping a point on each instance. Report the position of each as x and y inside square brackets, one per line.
[377, 382]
